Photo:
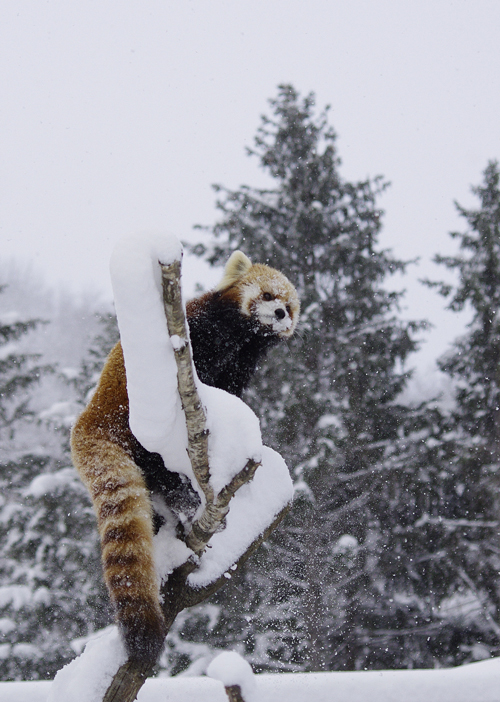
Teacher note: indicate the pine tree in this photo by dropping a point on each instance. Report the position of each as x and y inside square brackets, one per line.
[342, 567]
[90, 370]
[18, 372]
[51, 589]
[475, 359]
[474, 425]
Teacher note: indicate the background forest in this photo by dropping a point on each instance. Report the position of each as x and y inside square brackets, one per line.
[390, 556]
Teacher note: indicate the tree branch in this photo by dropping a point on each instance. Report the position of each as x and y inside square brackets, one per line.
[216, 507]
[196, 421]
[193, 595]
[127, 682]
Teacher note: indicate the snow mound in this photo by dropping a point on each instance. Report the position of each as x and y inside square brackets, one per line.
[48, 483]
[87, 678]
[156, 416]
[231, 669]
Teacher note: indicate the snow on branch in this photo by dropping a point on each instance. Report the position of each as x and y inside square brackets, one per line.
[196, 421]
[216, 507]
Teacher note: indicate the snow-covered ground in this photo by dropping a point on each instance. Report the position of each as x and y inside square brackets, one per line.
[477, 682]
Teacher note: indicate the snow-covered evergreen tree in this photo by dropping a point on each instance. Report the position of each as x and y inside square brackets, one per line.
[18, 372]
[474, 361]
[473, 438]
[105, 338]
[338, 572]
[378, 565]
[51, 588]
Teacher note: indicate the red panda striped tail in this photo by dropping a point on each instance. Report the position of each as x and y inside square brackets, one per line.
[122, 505]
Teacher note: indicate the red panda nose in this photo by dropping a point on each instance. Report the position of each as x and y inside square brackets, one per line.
[280, 314]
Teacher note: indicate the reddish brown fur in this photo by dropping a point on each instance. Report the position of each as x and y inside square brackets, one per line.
[101, 444]
[198, 304]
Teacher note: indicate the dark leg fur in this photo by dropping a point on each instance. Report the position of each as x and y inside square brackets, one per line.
[175, 488]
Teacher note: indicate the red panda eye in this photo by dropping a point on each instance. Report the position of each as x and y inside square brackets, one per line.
[289, 310]
[267, 296]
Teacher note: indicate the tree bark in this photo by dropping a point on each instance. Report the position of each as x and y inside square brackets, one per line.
[127, 682]
[234, 693]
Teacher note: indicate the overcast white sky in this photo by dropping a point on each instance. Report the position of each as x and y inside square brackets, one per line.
[116, 116]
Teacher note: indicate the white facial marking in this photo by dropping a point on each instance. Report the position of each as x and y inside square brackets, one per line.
[271, 313]
[251, 292]
[265, 311]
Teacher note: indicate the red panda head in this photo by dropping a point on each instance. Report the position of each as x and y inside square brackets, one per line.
[262, 293]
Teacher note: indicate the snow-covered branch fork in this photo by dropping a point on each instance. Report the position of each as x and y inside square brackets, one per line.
[216, 507]
[221, 427]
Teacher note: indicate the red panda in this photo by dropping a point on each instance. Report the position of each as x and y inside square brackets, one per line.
[231, 327]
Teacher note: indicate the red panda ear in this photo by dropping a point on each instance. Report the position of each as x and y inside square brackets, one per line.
[236, 267]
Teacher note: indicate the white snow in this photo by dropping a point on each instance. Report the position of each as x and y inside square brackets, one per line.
[156, 416]
[231, 669]
[19, 650]
[51, 482]
[7, 625]
[477, 682]
[8, 349]
[70, 373]
[79, 644]
[345, 544]
[234, 434]
[8, 318]
[17, 596]
[177, 342]
[64, 413]
[26, 650]
[87, 678]
[170, 552]
[252, 510]
[329, 420]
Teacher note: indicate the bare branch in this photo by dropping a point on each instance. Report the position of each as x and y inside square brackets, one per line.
[234, 693]
[216, 507]
[196, 421]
